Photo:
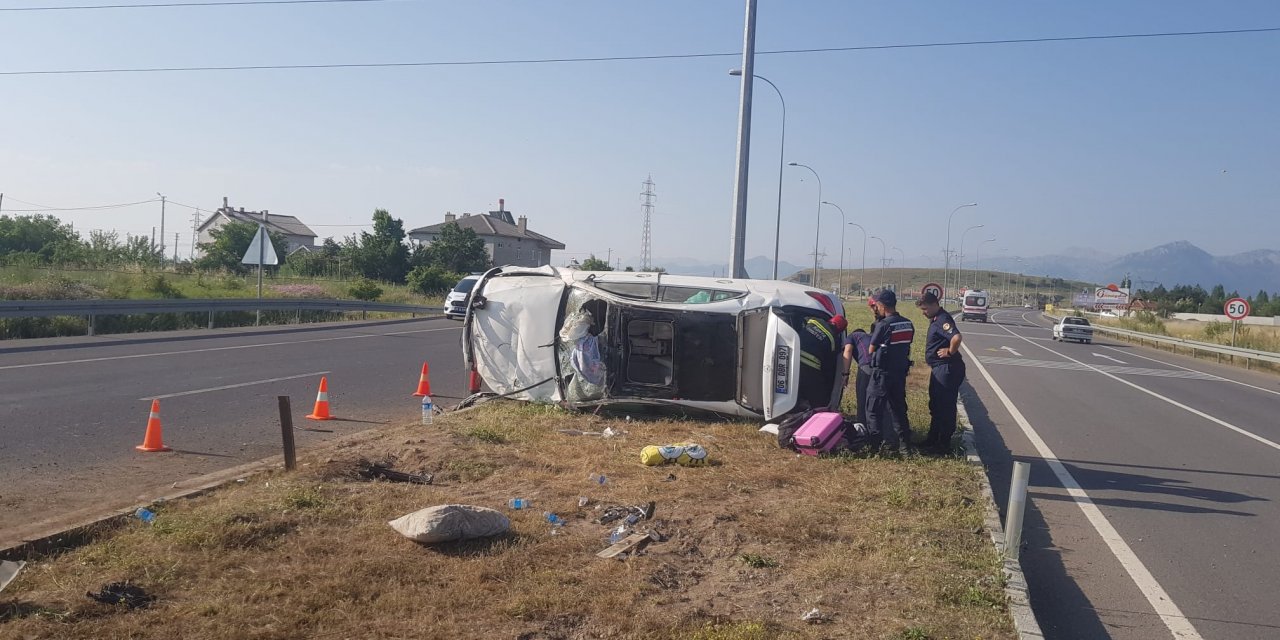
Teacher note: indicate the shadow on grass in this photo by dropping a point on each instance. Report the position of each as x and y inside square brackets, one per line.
[482, 547]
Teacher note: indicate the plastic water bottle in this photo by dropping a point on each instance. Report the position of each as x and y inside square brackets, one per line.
[618, 534]
[428, 410]
[518, 503]
[553, 519]
[144, 514]
[599, 478]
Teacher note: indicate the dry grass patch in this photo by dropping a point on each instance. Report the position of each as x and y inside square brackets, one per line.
[888, 548]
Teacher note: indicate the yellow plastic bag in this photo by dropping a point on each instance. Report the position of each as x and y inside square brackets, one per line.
[685, 454]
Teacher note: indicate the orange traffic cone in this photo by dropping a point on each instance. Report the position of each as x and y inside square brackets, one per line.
[424, 382]
[473, 381]
[321, 412]
[154, 440]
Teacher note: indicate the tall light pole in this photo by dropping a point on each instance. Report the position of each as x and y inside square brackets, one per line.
[862, 275]
[817, 223]
[162, 199]
[901, 265]
[782, 151]
[843, 223]
[738, 246]
[977, 260]
[882, 253]
[960, 266]
[946, 266]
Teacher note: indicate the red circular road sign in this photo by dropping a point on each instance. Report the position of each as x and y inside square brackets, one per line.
[932, 287]
[1236, 308]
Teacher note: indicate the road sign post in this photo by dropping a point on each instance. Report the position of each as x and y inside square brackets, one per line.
[261, 252]
[1236, 309]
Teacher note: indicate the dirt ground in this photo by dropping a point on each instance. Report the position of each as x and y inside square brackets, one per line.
[883, 548]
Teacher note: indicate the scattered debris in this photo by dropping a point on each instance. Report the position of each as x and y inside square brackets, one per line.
[671, 477]
[372, 470]
[583, 501]
[519, 503]
[814, 616]
[628, 544]
[578, 432]
[617, 512]
[129, 595]
[144, 514]
[8, 571]
[451, 522]
[771, 429]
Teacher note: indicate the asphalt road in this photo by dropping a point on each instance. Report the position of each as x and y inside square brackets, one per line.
[1152, 510]
[72, 410]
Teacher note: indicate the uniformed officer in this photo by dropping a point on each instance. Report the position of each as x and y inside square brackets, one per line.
[857, 359]
[820, 342]
[890, 353]
[942, 353]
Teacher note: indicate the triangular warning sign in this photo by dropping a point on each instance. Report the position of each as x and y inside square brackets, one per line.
[261, 246]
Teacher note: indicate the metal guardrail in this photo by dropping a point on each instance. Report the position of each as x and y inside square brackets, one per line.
[93, 308]
[1195, 347]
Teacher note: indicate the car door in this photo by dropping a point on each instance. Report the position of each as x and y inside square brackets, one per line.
[510, 332]
[768, 377]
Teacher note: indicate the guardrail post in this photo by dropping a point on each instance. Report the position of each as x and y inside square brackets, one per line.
[211, 318]
[90, 324]
[1017, 508]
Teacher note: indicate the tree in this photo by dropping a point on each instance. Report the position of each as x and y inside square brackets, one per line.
[457, 250]
[595, 264]
[41, 235]
[629, 269]
[432, 280]
[381, 255]
[230, 242]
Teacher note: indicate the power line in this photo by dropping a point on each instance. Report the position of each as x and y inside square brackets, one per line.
[634, 58]
[170, 5]
[92, 208]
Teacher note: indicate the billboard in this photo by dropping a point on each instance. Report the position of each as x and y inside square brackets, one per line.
[1108, 297]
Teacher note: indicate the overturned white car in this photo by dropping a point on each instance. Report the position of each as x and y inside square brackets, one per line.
[645, 342]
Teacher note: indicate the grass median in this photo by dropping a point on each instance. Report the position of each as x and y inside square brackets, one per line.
[883, 548]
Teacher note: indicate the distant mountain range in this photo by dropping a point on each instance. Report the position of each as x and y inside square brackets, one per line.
[759, 267]
[1169, 264]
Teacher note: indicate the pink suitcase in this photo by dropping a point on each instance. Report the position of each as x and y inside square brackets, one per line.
[820, 433]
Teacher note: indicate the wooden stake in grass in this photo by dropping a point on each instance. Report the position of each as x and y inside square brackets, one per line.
[286, 432]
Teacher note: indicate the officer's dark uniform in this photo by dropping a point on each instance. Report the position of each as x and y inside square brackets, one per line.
[819, 342]
[887, 390]
[944, 382]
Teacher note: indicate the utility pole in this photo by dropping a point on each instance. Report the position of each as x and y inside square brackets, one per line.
[646, 234]
[162, 199]
[175, 248]
[1, 202]
[737, 249]
[195, 232]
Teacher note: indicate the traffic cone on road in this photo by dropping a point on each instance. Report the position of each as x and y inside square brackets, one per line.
[424, 382]
[321, 412]
[473, 381]
[153, 440]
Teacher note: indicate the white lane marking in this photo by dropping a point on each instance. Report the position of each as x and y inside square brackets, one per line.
[1159, 599]
[1106, 357]
[1167, 399]
[1139, 355]
[230, 348]
[1010, 350]
[1108, 368]
[997, 335]
[234, 386]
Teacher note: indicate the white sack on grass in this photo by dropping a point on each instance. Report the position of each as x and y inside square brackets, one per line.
[451, 522]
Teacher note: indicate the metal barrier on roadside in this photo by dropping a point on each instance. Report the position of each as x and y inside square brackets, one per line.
[94, 308]
[1195, 347]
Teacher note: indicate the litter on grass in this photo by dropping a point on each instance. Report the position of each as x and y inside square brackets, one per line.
[685, 454]
[451, 523]
[131, 596]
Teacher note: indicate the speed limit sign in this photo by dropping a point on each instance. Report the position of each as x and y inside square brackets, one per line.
[933, 288]
[1236, 308]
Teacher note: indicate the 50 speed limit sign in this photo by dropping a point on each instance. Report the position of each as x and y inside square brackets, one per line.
[1236, 308]
[933, 288]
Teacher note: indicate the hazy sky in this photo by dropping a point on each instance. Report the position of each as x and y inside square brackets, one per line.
[1117, 145]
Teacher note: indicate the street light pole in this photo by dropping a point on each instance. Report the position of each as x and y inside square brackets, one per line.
[862, 274]
[882, 254]
[162, 200]
[960, 266]
[946, 265]
[843, 223]
[817, 224]
[782, 151]
[737, 249]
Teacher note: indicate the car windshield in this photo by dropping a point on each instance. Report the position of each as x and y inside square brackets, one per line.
[1079, 321]
[466, 285]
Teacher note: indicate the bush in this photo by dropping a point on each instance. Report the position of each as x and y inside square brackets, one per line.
[432, 280]
[367, 290]
[160, 286]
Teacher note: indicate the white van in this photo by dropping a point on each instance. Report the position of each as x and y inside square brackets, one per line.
[644, 342]
[974, 306]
